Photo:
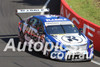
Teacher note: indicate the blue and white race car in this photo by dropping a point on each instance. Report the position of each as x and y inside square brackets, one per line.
[57, 29]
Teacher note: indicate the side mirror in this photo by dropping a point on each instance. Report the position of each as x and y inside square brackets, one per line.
[80, 30]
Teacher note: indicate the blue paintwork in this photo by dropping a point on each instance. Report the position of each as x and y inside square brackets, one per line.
[43, 18]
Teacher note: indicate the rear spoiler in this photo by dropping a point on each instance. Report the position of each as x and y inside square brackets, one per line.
[19, 11]
[31, 10]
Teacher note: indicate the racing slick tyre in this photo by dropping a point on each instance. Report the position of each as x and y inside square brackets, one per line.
[21, 37]
[47, 53]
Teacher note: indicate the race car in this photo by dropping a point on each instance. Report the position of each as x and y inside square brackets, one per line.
[57, 29]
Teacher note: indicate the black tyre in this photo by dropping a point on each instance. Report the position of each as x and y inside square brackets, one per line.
[21, 37]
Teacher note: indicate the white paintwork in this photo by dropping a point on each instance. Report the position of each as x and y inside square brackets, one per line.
[59, 23]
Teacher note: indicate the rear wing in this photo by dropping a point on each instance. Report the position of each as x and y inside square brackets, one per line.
[19, 11]
[31, 10]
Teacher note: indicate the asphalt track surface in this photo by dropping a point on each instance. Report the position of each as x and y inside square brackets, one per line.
[8, 29]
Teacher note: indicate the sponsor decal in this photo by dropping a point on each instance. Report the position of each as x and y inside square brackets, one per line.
[31, 10]
[56, 20]
[72, 39]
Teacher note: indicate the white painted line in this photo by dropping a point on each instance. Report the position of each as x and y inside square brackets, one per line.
[95, 62]
[45, 5]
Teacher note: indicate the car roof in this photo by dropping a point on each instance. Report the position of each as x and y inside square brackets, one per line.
[51, 18]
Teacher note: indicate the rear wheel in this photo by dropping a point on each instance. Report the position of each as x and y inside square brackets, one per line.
[21, 37]
[47, 54]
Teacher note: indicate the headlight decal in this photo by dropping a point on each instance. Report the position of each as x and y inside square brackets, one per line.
[91, 45]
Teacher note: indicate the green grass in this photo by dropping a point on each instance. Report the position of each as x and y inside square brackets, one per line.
[88, 9]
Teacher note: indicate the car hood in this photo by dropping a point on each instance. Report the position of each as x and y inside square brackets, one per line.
[70, 39]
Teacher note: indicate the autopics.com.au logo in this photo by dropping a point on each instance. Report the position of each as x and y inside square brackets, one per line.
[55, 50]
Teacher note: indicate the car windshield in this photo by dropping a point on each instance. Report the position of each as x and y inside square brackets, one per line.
[61, 29]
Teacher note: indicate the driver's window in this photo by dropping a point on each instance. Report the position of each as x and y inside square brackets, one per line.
[34, 24]
[30, 21]
[40, 25]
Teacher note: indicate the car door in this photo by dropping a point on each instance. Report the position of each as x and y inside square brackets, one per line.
[31, 30]
[40, 29]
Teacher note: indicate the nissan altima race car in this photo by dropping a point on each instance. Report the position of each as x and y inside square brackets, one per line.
[57, 29]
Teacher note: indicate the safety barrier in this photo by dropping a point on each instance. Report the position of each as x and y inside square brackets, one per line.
[91, 30]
